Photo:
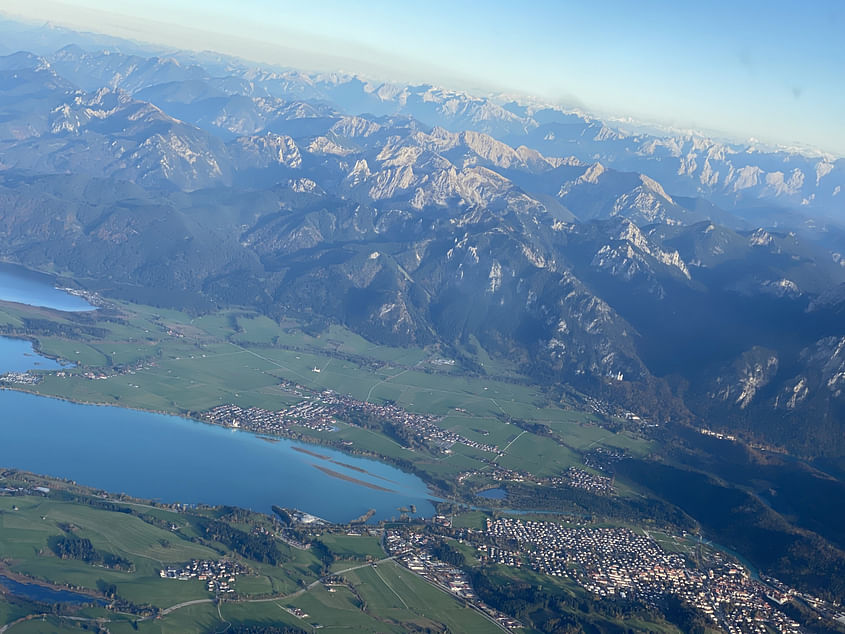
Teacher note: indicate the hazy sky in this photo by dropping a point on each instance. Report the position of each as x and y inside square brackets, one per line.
[773, 70]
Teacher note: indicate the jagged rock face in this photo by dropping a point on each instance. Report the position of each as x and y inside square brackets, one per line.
[530, 295]
[695, 166]
[823, 370]
[830, 353]
[753, 371]
[266, 150]
[689, 165]
[833, 299]
[602, 193]
[108, 133]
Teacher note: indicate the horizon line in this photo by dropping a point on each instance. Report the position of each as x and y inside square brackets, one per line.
[653, 127]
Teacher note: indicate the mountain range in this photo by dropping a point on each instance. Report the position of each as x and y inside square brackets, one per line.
[683, 278]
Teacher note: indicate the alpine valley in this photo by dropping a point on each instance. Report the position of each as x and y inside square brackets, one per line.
[657, 271]
[688, 283]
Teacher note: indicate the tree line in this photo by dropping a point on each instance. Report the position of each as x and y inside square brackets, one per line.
[81, 548]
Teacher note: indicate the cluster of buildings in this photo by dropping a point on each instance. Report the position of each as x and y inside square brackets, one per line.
[580, 479]
[89, 296]
[320, 411]
[620, 562]
[600, 407]
[500, 555]
[308, 414]
[218, 575]
[716, 434]
[297, 612]
[496, 473]
[424, 426]
[4, 490]
[780, 593]
[96, 376]
[103, 374]
[573, 477]
[603, 458]
[608, 412]
[503, 474]
[20, 378]
[412, 550]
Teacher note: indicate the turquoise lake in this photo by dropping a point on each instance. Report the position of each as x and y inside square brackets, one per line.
[17, 355]
[35, 289]
[174, 459]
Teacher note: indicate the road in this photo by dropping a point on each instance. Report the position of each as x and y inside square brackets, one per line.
[390, 587]
[513, 441]
[375, 385]
[185, 604]
[508, 445]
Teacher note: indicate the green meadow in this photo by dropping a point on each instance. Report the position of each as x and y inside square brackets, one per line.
[171, 362]
[371, 598]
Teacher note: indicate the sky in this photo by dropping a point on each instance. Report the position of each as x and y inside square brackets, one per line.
[773, 70]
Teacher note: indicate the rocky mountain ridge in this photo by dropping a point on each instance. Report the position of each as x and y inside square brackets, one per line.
[406, 214]
[735, 176]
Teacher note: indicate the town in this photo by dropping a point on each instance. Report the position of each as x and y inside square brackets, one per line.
[573, 477]
[621, 562]
[320, 412]
[580, 479]
[307, 414]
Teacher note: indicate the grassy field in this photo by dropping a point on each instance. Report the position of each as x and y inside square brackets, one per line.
[354, 546]
[27, 524]
[179, 364]
[383, 598]
[194, 618]
[394, 593]
[10, 611]
[25, 532]
[341, 609]
[545, 457]
[470, 519]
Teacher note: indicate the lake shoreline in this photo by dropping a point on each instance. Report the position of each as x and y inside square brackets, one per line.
[436, 495]
[40, 292]
[22, 579]
[52, 292]
[195, 489]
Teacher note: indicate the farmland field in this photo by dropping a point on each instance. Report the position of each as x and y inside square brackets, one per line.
[166, 361]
